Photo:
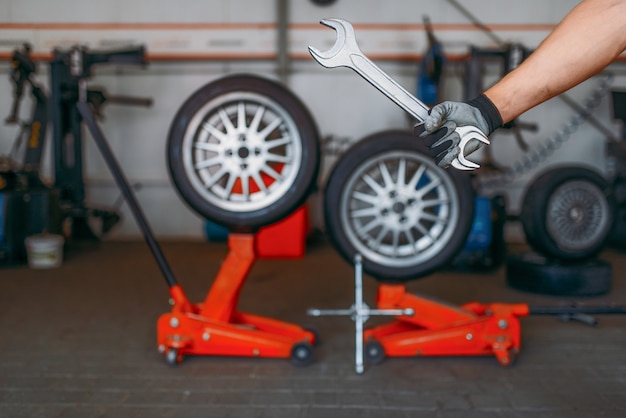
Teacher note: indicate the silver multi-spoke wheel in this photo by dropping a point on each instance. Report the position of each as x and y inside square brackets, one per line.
[243, 151]
[399, 209]
[388, 201]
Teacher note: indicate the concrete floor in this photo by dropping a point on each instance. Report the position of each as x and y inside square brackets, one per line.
[79, 341]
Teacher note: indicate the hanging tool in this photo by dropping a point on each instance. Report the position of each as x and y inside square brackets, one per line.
[346, 53]
[430, 68]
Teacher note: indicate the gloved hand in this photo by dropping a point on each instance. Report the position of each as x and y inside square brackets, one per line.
[438, 129]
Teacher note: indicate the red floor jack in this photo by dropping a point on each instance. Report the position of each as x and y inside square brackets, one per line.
[423, 327]
[216, 328]
[213, 327]
[439, 329]
[427, 328]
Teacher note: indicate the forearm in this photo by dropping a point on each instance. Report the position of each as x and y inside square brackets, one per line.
[585, 42]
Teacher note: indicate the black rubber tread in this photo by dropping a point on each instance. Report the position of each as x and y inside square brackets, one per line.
[535, 273]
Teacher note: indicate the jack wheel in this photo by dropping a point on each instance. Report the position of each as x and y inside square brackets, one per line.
[374, 352]
[302, 354]
[172, 357]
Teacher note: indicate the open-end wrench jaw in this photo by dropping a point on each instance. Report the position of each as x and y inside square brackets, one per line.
[337, 56]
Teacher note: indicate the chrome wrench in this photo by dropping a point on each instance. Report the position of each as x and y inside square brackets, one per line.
[346, 53]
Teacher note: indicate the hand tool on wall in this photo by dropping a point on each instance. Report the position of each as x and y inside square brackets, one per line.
[346, 53]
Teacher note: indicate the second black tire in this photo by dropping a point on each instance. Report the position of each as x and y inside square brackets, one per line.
[568, 213]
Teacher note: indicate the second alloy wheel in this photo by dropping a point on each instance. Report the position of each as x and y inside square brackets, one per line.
[387, 200]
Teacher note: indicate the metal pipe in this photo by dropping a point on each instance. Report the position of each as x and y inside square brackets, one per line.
[282, 39]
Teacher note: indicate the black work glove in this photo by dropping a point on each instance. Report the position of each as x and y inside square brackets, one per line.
[438, 130]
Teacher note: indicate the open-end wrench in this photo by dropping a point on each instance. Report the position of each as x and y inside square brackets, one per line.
[346, 53]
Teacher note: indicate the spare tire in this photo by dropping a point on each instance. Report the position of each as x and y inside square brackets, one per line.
[568, 213]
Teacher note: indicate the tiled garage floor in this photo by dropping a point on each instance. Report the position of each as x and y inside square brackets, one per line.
[79, 341]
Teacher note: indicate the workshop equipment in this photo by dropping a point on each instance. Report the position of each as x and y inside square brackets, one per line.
[27, 205]
[34, 205]
[213, 327]
[425, 327]
[68, 69]
[346, 53]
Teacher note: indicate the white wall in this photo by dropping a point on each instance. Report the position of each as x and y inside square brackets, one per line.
[343, 105]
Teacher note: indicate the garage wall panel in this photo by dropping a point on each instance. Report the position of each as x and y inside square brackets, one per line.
[191, 43]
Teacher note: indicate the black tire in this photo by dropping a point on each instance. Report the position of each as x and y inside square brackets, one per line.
[416, 234]
[568, 213]
[217, 139]
[531, 272]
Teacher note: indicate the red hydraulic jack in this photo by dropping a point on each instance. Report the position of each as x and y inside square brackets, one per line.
[423, 327]
[439, 329]
[216, 328]
[213, 327]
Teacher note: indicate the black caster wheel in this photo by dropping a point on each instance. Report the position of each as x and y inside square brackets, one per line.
[302, 354]
[534, 273]
[374, 352]
[173, 357]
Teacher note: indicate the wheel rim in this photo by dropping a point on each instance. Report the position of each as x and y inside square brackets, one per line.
[399, 209]
[242, 152]
[577, 215]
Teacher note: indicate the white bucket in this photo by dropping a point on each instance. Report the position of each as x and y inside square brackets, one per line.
[44, 251]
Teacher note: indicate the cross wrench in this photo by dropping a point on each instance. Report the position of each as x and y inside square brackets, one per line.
[346, 53]
[359, 312]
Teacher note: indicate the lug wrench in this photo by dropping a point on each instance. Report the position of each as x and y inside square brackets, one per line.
[346, 53]
[360, 312]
